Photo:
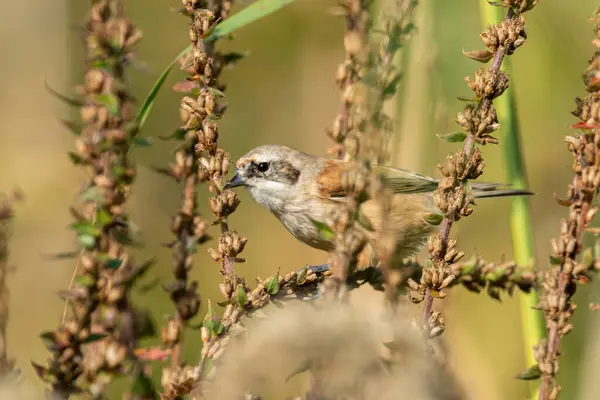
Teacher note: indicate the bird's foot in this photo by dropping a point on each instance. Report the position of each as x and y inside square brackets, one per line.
[318, 269]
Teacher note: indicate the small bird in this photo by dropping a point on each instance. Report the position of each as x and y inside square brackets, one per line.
[299, 189]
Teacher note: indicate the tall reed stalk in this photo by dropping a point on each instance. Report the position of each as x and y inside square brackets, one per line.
[532, 321]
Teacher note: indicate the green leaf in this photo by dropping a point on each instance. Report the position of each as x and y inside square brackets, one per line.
[179, 134]
[69, 100]
[251, 13]
[392, 86]
[105, 64]
[131, 128]
[495, 275]
[119, 171]
[301, 276]
[434, 219]
[530, 374]
[212, 322]
[142, 141]
[123, 236]
[109, 263]
[85, 228]
[145, 323]
[241, 296]
[93, 193]
[76, 158]
[48, 338]
[102, 218]
[109, 101]
[41, 372]
[113, 263]
[555, 260]
[85, 280]
[468, 99]
[139, 271]
[371, 78]
[74, 126]
[88, 241]
[272, 287]
[453, 137]
[94, 337]
[143, 388]
[151, 98]
[324, 230]
[148, 286]
[233, 58]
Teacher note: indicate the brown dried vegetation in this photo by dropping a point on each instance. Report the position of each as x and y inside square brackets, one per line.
[341, 347]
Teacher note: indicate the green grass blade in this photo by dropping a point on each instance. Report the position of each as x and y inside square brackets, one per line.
[151, 98]
[253, 12]
[532, 322]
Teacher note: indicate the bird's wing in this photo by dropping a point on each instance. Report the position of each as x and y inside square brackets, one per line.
[401, 181]
[329, 181]
[404, 181]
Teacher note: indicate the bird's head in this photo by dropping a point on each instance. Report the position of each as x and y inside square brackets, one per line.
[270, 172]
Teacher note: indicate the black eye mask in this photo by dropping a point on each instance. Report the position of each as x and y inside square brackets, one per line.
[278, 171]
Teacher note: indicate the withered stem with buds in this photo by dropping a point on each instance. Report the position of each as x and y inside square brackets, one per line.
[479, 121]
[559, 282]
[200, 135]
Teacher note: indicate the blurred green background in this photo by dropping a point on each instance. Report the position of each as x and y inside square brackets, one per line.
[285, 93]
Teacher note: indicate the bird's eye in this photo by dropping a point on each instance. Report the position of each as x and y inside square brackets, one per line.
[262, 167]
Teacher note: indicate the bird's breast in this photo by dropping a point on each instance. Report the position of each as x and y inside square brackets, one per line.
[298, 219]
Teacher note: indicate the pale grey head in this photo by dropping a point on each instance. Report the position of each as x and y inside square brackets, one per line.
[269, 169]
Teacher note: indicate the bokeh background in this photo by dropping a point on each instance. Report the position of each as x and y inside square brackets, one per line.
[284, 92]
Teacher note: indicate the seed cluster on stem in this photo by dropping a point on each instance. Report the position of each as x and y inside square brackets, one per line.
[344, 130]
[479, 120]
[560, 281]
[97, 340]
[199, 133]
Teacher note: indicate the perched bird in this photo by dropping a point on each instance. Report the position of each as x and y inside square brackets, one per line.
[299, 188]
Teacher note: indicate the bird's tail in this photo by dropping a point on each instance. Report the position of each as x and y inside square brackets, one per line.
[482, 190]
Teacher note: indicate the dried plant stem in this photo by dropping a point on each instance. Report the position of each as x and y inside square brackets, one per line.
[6, 365]
[532, 324]
[560, 281]
[6, 215]
[479, 120]
[199, 134]
[349, 241]
[348, 75]
[97, 341]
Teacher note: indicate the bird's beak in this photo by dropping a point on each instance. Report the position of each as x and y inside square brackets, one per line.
[236, 181]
